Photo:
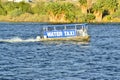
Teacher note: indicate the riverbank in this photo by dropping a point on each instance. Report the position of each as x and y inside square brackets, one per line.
[24, 18]
[43, 18]
[58, 12]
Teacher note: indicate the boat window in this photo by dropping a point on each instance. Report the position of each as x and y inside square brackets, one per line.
[79, 27]
[64, 27]
[70, 27]
[50, 28]
[59, 27]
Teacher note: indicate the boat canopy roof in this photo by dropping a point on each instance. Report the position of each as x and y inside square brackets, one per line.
[73, 25]
[64, 26]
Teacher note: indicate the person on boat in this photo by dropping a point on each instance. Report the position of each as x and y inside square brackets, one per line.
[82, 32]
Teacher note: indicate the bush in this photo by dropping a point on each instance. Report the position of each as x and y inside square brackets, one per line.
[109, 17]
[90, 17]
[2, 11]
[24, 7]
[9, 6]
[16, 12]
[87, 18]
[116, 14]
[39, 8]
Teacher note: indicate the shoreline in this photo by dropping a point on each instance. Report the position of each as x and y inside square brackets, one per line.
[59, 22]
[44, 19]
[38, 19]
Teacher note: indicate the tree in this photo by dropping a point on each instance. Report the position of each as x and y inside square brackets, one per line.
[54, 11]
[60, 12]
[98, 9]
[89, 5]
[90, 17]
[69, 10]
[9, 6]
[25, 7]
[111, 5]
[83, 4]
[16, 12]
[2, 10]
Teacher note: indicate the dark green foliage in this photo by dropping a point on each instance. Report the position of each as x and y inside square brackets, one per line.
[39, 8]
[83, 18]
[117, 13]
[2, 10]
[66, 8]
[9, 6]
[83, 2]
[98, 6]
[55, 8]
[16, 12]
[25, 7]
[70, 16]
[90, 17]
[15, 9]
[110, 4]
[58, 8]
[69, 11]
[87, 18]
[109, 17]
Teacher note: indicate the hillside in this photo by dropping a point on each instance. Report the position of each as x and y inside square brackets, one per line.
[61, 11]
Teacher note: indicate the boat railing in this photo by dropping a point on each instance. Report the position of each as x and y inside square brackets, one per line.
[65, 27]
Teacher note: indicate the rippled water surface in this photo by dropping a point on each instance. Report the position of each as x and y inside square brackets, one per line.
[23, 58]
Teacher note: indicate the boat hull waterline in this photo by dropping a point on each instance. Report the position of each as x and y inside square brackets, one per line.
[76, 39]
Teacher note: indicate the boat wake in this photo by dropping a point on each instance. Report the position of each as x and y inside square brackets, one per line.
[17, 39]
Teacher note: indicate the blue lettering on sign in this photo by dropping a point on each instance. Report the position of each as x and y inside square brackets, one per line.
[60, 33]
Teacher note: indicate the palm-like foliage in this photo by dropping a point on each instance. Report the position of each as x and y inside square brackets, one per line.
[61, 11]
[54, 8]
[98, 6]
[98, 9]
[69, 11]
[83, 4]
[111, 5]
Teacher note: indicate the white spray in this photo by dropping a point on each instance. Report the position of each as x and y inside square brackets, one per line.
[17, 39]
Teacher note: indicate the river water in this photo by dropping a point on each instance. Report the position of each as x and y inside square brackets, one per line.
[23, 58]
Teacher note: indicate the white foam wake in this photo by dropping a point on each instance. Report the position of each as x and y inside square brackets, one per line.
[17, 39]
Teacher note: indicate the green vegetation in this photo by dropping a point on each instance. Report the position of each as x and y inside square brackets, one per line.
[61, 11]
[83, 5]
[98, 9]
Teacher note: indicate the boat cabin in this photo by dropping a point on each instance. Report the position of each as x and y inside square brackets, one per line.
[65, 31]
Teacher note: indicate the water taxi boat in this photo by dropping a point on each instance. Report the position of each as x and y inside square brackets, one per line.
[69, 32]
